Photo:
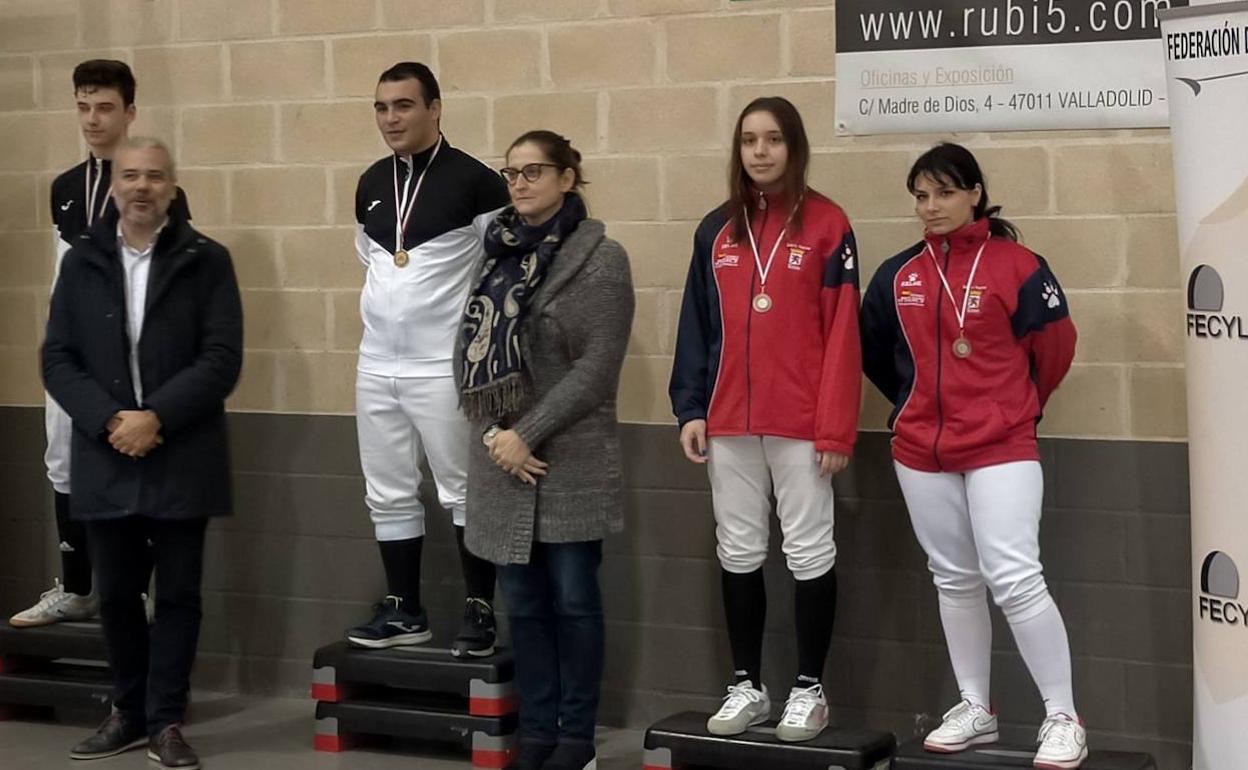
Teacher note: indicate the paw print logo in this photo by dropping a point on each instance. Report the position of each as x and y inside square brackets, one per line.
[1052, 297]
[848, 258]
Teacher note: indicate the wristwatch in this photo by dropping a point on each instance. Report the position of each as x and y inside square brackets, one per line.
[490, 433]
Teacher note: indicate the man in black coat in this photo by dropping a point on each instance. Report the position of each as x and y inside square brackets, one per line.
[144, 343]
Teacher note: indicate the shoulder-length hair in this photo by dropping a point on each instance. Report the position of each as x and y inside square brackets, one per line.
[742, 195]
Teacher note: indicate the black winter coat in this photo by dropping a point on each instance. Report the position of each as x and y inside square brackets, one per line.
[190, 355]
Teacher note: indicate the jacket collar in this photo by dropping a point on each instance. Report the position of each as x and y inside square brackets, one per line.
[573, 254]
[964, 238]
[176, 247]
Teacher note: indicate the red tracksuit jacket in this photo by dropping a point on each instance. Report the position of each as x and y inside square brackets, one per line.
[794, 371]
[957, 414]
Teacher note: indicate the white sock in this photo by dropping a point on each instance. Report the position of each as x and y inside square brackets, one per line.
[968, 633]
[1045, 648]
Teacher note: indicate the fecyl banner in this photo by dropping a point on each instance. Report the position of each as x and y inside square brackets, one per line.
[1206, 54]
[917, 66]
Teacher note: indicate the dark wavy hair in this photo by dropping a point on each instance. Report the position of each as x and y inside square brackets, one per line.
[558, 150]
[954, 165]
[741, 197]
[105, 73]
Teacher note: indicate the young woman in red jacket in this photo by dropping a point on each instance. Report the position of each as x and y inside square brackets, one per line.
[766, 384]
[968, 334]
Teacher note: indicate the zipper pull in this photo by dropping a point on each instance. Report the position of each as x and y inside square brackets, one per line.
[762, 201]
[944, 247]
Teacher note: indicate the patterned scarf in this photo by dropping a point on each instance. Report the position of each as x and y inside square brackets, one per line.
[493, 381]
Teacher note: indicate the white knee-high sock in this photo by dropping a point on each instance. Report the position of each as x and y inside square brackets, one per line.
[1045, 648]
[968, 633]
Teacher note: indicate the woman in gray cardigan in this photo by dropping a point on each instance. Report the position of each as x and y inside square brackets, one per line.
[538, 359]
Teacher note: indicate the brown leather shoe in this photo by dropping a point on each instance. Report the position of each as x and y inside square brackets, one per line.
[170, 749]
[114, 736]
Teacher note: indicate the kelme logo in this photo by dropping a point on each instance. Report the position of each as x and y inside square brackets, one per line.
[1205, 298]
[1219, 591]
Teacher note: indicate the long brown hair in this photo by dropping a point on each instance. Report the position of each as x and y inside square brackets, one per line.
[742, 197]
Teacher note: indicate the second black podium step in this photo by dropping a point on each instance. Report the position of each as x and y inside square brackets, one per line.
[681, 740]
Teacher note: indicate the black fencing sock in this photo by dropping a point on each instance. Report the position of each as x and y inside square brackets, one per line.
[401, 558]
[478, 573]
[745, 607]
[75, 561]
[814, 609]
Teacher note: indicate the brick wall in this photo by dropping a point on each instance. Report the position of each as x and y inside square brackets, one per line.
[267, 104]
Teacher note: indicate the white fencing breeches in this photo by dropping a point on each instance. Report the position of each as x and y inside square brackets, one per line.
[744, 470]
[59, 429]
[400, 420]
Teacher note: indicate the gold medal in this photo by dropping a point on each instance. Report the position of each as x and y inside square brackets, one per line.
[400, 258]
[962, 347]
[762, 302]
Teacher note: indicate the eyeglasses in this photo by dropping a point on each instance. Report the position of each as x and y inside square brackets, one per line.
[531, 172]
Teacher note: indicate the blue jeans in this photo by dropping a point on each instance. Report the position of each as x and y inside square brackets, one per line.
[554, 609]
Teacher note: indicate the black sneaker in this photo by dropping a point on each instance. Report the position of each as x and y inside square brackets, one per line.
[391, 626]
[170, 749]
[114, 736]
[476, 634]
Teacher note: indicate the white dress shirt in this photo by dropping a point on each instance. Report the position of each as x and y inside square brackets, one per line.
[137, 265]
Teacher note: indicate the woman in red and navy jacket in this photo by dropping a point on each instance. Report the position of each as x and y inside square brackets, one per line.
[765, 385]
[968, 333]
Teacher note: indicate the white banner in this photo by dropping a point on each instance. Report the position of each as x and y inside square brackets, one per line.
[909, 66]
[1206, 54]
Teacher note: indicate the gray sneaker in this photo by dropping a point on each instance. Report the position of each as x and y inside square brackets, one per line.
[55, 605]
[743, 707]
[805, 714]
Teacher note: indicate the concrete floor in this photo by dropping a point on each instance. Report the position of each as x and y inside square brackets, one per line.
[242, 733]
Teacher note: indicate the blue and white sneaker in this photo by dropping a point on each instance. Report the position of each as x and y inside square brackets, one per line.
[391, 626]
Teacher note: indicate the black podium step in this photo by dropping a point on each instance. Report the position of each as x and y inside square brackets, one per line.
[490, 739]
[83, 690]
[682, 740]
[999, 756]
[82, 641]
[341, 672]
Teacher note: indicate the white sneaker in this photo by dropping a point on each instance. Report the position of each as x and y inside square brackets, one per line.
[964, 725]
[55, 605]
[1063, 743]
[805, 714]
[743, 707]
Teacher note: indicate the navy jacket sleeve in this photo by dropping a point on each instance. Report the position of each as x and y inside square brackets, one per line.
[200, 389]
[1042, 324]
[880, 333]
[696, 338]
[65, 377]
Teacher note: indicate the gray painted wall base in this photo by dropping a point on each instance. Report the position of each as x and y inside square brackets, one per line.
[298, 564]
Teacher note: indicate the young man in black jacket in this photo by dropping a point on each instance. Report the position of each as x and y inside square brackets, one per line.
[144, 343]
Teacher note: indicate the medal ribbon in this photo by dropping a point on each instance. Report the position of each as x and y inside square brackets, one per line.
[403, 206]
[966, 296]
[758, 261]
[94, 190]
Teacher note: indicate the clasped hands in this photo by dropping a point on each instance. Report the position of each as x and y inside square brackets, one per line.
[512, 454]
[134, 432]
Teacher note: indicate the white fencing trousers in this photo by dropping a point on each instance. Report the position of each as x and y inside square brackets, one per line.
[59, 429]
[400, 420]
[744, 470]
[982, 528]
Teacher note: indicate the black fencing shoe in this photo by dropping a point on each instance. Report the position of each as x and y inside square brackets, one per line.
[476, 634]
[391, 626]
[114, 736]
[531, 755]
[170, 749]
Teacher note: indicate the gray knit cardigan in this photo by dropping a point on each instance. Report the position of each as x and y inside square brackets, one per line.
[573, 340]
